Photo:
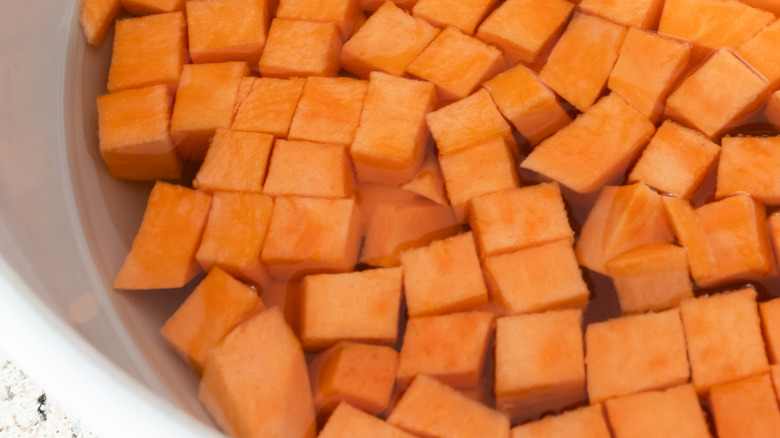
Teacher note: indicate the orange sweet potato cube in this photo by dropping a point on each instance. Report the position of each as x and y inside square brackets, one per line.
[586, 154]
[456, 63]
[391, 138]
[580, 63]
[451, 348]
[676, 161]
[235, 161]
[343, 13]
[511, 220]
[651, 277]
[329, 110]
[312, 235]
[261, 356]
[301, 48]
[350, 422]
[717, 94]
[540, 363]
[148, 7]
[749, 165]
[205, 101]
[135, 141]
[723, 333]
[758, 50]
[527, 102]
[770, 327]
[216, 306]
[525, 29]
[641, 14]
[772, 109]
[584, 422]
[235, 233]
[371, 195]
[286, 295]
[429, 182]
[442, 13]
[536, 279]
[657, 414]
[302, 168]
[227, 30]
[691, 235]
[635, 353]
[467, 122]
[745, 408]
[96, 17]
[766, 5]
[356, 306]
[443, 277]
[432, 408]
[149, 50]
[163, 251]
[269, 106]
[389, 41]
[646, 69]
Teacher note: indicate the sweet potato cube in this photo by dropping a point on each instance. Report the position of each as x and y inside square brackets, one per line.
[261, 356]
[349, 422]
[361, 375]
[525, 29]
[527, 102]
[301, 48]
[235, 161]
[235, 233]
[658, 414]
[580, 63]
[391, 138]
[691, 235]
[356, 306]
[465, 17]
[536, 279]
[205, 101]
[717, 94]
[772, 109]
[746, 408]
[135, 142]
[539, 363]
[429, 182]
[638, 14]
[163, 252]
[216, 306]
[432, 408]
[96, 17]
[329, 110]
[635, 353]
[389, 41]
[766, 5]
[749, 165]
[342, 13]
[584, 422]
[269, 106]
[227, 30]
[451, 348]
[148, 7]
[676, 161]
[312, 235]
[646, 69]
[302, 168]
[286, 295]
[770, 326]
[443, 277]
[149, 50]
[758, 50]
[588, 153]
[467, 122]
[371, 195]
[723, 332]
[456, 63]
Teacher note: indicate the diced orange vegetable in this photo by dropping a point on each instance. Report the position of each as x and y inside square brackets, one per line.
[690, 234]
[148, 7]
[300, 48]
[641, 14]
[758, 50]
[442, 13]
[343, 13]
[584, 422]
[773, 222]
[772, 109]
[235, 161]
[96, 17]
[749, 165]
[227, 30]
[429, 182]
[302, 168]
[349, 422]
[371, 195]
[269, 106]
[286, 295]
[746, 408]
[770, 327]
[329, 110]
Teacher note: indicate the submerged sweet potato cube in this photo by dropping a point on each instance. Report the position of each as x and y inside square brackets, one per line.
[312, 234]
[676, 161]
[745, 408]
[343, 13]
[658, 414]
[227, 30]
[759, 49]
[300, 48]
[235, 161]
[442, 13]
[536, 279]
[163, 251]
[723, 333]
[584, 422]
[148, 7]
[216, 306]
[525, 29]
[443, 277]
[96, 17]
[349, 422]
[389, 41]
[133, 128]
[646, 69]
[589, 153]
[690, 234]
[717, 94]
[205, 101]
[770, 327]
[635, 353]
[391, 138]
[640, 14]
[749, 165]
[329, 110]
[467, 122]
[539, 363]
[149, 50]
[527, 102]
[269, 106]
[580, 63]
[354, 306]
[456, 63]
[302, 168]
